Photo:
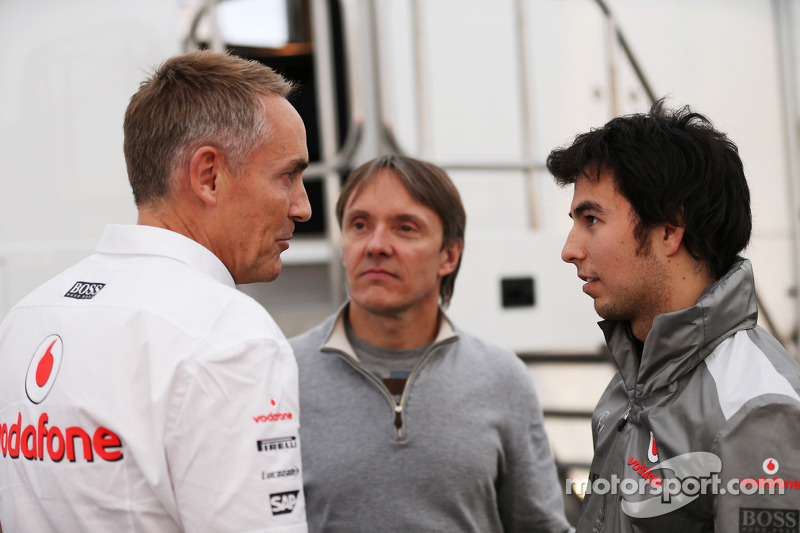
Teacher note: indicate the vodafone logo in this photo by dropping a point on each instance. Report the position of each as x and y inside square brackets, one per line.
[652, 451]
[771, 466]
[43, 368]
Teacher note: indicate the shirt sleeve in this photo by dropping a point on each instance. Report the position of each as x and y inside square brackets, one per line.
[529, 495]
[232, 440]
[759, 487]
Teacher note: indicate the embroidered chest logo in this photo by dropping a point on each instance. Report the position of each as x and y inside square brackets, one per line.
[601, 421]
[652, 450]
[770, 466]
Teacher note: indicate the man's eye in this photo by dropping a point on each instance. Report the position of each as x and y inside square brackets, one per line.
[591, 220]
[406, 228]
[359, 225]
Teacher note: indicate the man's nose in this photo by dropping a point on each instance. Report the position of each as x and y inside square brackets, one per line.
[379, 242]
[572, 251]
[299, 207]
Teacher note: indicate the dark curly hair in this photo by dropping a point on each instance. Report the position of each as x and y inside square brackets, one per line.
[673, 167]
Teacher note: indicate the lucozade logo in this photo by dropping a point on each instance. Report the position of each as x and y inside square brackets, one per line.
[43, 368]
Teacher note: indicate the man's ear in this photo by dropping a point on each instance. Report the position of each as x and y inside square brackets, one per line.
[671, 237]
[206, 171]
[451, 253]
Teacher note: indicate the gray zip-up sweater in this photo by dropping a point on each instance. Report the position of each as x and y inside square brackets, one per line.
[707, 379]
[464, 450]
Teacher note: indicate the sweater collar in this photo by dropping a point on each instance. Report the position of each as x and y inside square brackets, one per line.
[336, 337]
[679, 340]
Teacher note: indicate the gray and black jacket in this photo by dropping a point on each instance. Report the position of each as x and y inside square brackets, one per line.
[710, 399]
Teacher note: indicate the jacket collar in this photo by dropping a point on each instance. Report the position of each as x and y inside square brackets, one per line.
[336, 336]
[681, 339]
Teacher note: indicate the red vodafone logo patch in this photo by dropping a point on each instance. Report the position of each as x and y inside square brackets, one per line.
[770, 466]
[43, 368]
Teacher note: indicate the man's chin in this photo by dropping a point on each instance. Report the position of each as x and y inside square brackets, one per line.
[378, 306]
[262, 275]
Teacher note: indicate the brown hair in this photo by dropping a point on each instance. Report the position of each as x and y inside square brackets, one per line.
[429, 185]
[193, 100]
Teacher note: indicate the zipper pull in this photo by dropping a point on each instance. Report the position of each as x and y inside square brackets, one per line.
[624, 419]
[398, 420]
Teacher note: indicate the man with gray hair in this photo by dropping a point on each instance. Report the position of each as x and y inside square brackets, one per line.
[139, 390]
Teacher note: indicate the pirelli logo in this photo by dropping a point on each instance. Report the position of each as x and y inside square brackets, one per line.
[84, 290]
[277, 444]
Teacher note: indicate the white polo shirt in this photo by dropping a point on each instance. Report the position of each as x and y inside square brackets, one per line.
[140, 391]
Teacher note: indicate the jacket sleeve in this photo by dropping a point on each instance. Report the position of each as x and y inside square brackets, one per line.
[759, 487]
[529, 495]
[232, 440]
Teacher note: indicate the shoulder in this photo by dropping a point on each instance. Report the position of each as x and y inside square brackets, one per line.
[485, 353]
[154, 291]
[496, 367]
[309, 343]
[751, 365]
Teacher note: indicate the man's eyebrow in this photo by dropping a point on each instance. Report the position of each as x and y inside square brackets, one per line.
[408, 217]
[586, 205]
[355, 213]
[299, 164]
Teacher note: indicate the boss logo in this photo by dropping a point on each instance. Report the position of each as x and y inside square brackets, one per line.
[283, 502]
[84, 290]
[769, 520]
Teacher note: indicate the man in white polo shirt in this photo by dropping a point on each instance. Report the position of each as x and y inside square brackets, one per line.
[139, 390]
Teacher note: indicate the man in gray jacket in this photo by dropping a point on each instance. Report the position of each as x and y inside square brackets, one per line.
[699, 431]
[408, 424]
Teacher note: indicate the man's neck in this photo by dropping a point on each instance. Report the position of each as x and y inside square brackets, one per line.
[397, 331]
[164, 215]
[684, 291]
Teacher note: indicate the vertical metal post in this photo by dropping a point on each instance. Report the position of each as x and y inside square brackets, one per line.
[326, 102]
[782, 11]
[526, 108]
[216, 41]
[420, 67]
[613, 89]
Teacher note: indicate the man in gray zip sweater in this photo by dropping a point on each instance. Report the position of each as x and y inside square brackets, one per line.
[699, 431]
[407, 424]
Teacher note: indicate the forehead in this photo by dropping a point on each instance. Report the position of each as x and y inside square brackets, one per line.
[287, 128]
[598, 192]
[386, 194]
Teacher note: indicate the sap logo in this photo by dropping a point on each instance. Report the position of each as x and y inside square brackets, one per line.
[769, 520]
[283, 502]
[84, 290]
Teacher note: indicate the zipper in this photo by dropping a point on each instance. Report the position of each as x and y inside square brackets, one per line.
[398, 416]
[396, 407]
[398, 419]
[624, 420]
